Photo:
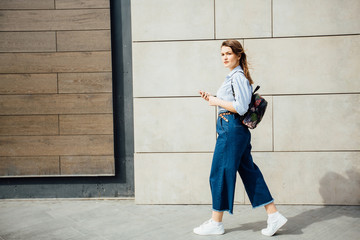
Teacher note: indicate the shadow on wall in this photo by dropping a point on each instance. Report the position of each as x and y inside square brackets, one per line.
[334, 189]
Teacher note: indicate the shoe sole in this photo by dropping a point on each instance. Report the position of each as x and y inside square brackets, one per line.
[208, 234]
[282, 223]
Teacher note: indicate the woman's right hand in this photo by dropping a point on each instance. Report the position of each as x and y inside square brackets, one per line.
[204, 95]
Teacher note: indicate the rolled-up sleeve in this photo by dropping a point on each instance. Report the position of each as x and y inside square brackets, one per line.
[243, 91]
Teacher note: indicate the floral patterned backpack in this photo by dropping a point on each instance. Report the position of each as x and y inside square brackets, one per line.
[256, 111]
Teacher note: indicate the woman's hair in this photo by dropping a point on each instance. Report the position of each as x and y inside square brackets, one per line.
[237, 48]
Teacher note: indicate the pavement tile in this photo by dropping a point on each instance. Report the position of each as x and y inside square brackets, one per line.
[124, 220]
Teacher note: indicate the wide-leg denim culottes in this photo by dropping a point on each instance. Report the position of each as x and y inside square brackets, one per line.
[233, 154]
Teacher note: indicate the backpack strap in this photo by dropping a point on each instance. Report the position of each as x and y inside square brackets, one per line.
[257, 88]
[233, 92]
[232, 88]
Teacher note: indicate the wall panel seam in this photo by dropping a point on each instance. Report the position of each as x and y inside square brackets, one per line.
[272, 18]
[57, 82]
[59, 165]
[272, 123]
[51, 9]
[73, 155]
[61, 52]
[56, 94]
[245, 38]
[59, 125]
[265, 95]
[56, 41]
[19, 73]
[57, 135]
[258, 151]
[214, 19]
[46, 114]
[70, 30]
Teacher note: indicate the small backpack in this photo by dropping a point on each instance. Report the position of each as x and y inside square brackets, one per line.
[256, 109]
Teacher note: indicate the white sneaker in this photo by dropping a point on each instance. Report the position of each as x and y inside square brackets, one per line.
[274, 225]
[210, 227]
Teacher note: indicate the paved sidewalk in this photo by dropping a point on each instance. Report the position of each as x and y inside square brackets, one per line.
[122, 219]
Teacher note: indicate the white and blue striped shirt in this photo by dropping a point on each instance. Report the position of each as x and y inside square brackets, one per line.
[242, 89]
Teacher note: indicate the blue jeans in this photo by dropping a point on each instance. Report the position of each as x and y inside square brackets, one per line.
[233, 154]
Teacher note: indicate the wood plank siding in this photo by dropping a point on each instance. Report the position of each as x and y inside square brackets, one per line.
[55, 88]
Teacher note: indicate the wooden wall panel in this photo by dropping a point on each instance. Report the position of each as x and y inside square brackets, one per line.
[84, 40]
[27, 42]
[56, 145]
[64, 4]
[87, 165]
[55, 104]
[29, 166]
[29, 125]
[85, 82]
[55, 67]
[86, 124]
[55, 62]
[27, 4]
[28, 83]
[36, 20]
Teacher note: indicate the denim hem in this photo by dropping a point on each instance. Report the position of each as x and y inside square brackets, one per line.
[264, 204]
[227, 210]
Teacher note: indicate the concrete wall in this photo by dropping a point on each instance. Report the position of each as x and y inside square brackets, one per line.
[305, 56]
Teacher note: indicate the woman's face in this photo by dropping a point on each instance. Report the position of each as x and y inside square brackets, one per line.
[230, 59]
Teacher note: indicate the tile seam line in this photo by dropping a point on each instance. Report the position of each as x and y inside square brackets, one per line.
[244, 38]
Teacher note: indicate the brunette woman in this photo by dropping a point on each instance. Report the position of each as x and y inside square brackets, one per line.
[233, 149]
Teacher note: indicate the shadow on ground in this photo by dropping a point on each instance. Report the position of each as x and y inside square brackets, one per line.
[333, 188]
[297, 223]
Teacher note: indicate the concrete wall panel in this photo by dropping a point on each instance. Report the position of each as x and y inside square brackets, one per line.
[177, 68]
[175, 179]
[305, 65]
[261, 136]
[172, 20]
[317, 123]
[243, 18]
[326, 178]
[174, 125]
[315, 17]
[312, 177]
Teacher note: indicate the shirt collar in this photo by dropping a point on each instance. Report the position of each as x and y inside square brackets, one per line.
[237, 69]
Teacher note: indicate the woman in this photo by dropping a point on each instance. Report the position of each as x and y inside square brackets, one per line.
[233, 149]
